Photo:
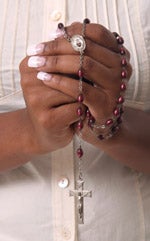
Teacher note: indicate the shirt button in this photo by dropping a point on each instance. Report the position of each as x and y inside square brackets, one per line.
[55, 15]
[66, 233]
[63, 182]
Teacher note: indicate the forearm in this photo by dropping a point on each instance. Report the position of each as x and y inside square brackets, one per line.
[131, 145]
[16, 144]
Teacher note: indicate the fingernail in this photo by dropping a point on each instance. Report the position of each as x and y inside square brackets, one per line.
[36, 61]
[35, 49]
[58, 33]
[44, 76]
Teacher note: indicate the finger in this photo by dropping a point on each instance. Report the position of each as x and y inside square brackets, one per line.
[70, 87]
[46, 98]
[66, 115]
[94, 98]
[94, 71]
[104, 38]
[93, 50]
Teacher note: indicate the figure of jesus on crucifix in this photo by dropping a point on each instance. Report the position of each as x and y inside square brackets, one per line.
[80, 194]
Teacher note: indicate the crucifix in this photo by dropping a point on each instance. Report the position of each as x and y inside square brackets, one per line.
[80, 194]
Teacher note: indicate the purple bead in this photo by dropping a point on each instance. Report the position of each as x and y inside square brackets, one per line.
[79, 152]
[80, 73]
[101, 137]
[119, 120]
[121, 110]
[124, 74]
[115, 129]
[124, 62]
[60, 25]
[91, 121]
[116, 111]
[80, 125]
[120, 100]
[79, 111]
[80, 98]
[86, 21]
[115, 34]
[120, 40]
[122, 87]
[122, 51]
[88, 113]
[109, 122]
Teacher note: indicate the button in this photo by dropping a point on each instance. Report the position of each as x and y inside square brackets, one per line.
[63, 183]
[66, 233]
[55, 15]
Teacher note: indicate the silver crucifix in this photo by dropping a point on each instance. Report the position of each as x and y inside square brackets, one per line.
[80, 194]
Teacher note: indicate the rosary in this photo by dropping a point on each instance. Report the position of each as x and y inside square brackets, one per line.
[101, 131]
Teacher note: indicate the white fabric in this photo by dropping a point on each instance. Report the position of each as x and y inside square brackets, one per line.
[30, 210]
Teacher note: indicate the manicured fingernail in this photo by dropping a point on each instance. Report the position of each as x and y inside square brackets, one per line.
[44, 76]
[35, 49]
[36, 61]
[58, 33]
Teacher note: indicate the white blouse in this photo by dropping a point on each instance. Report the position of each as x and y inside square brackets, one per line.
[34, 199]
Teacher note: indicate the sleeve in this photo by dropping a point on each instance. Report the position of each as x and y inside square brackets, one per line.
[12, 102]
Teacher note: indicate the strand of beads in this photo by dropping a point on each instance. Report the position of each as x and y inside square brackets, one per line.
[112, 124]
[78, 43]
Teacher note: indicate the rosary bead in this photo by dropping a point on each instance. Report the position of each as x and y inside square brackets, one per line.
[124, 62]
[88, 113]
[79, 111]
[122, 87]
[122, 51]
[60, 26]
[80, 98]
[119, 120]
[121, 110]
[116, 111]
[86, 21]
[109, 122]
[120, 100]
[80, 152]
[124, 74]
[115, 34]
[80, 73]
[120, 40]
[101, 137]
[91, 121]
[114, 129]
[80, 125]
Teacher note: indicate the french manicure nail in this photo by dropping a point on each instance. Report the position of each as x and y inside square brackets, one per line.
[36, 61]
[44, 76]
[35, 49]
[58, 33]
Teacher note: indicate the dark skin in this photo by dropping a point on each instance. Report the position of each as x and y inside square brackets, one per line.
[49, 120]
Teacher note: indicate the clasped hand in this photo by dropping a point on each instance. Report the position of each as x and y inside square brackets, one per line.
[51, 91]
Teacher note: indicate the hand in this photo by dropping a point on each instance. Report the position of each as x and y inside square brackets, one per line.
[102, 65]
[49, 112]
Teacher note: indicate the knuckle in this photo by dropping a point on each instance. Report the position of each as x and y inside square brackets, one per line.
[43, 120]
[52, 47]
[104, 33]
[88, 64]
[57, 80]
[74, 28]
[54, 62]
[33, 100]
